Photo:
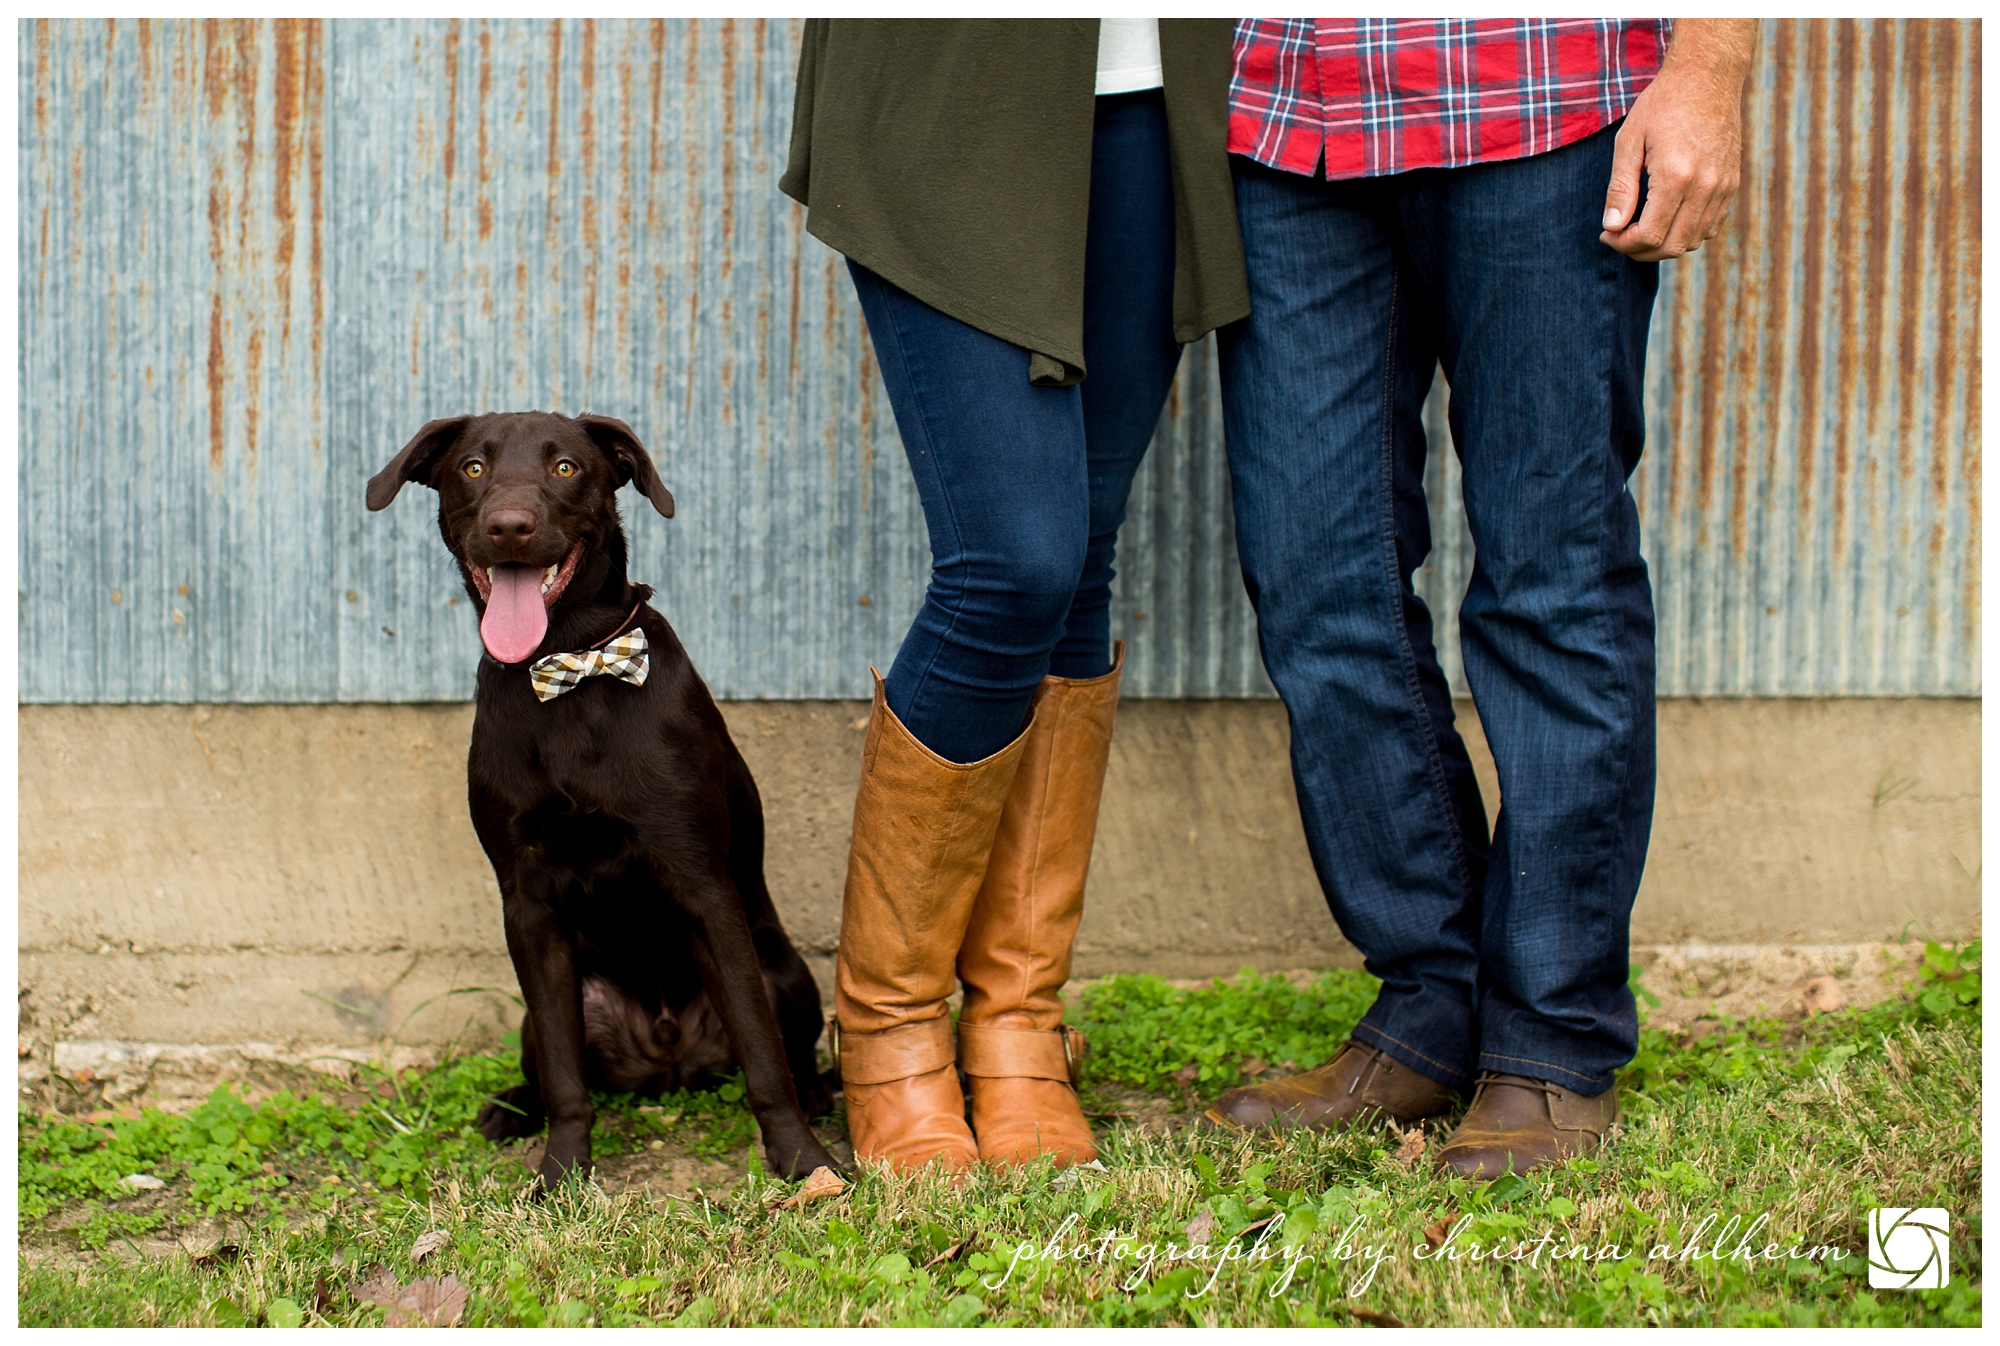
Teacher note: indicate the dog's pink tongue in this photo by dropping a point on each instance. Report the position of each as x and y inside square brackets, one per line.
[515, 619]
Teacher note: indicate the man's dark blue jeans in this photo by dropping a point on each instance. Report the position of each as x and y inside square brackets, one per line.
[1024, 487]
[1508, 957]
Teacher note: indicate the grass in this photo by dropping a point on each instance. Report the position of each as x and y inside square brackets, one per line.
[1810, 1124]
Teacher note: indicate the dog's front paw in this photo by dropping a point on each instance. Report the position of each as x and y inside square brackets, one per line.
[797, 1159]
[511, 1114]
[558, 1170]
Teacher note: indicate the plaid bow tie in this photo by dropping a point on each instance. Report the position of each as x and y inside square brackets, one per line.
[622, 657]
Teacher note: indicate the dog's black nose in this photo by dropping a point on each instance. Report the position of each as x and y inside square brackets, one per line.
[510, 526]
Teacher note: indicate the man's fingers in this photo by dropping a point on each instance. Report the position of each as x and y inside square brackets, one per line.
[1628, 157]
[1648, 234]
[1719, 204]
[1685, 234]
[1702, 214]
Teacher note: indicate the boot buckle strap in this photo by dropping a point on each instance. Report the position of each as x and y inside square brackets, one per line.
[1029, 1053]
[894, 1054]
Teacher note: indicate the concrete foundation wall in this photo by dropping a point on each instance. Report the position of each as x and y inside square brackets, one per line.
[308, 874]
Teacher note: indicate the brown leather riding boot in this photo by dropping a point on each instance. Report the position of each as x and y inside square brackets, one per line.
[1516, 1125]
[923, 828]
[1359, 1084]
[1020, 1062]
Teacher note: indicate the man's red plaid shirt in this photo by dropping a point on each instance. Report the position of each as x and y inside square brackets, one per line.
[1381, 96]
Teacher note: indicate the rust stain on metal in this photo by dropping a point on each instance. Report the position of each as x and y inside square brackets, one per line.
[1716, 294]
[1969, 475]
[656, 74]
[1770, 341]
[1847, 259]
[215, 352]
[656, 40]
[246, 70]
[1676, 357]
[691, 87]
[42, 74]
[451, 44]
[622, 214]
[316, 174]
[253, 369]
[212, 85]
[867, 418]
[728, 146]
[1812, 263]
[288, 95]
[1946, 249]
[587, 129]
[758, 31]
[555, 144]
[1908, 304]
[1881, 176]
[485, 205]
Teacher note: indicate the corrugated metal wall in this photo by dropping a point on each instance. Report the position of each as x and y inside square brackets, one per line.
[256, 256]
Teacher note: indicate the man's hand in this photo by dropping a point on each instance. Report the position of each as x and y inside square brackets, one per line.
[1685, 133]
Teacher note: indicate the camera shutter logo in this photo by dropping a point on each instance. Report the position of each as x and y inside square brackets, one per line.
[1908, 1249]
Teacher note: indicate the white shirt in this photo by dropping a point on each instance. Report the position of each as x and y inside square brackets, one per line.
[1128, 55]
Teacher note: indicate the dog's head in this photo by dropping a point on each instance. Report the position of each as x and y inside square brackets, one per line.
[526, 502]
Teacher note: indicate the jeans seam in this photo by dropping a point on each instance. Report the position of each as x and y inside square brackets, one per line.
[1546, 1065]
[1630, 691]
[1388, 1037]
[1412, 682]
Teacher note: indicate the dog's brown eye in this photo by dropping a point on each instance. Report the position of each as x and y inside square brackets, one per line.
[565, 468]
[475, 469]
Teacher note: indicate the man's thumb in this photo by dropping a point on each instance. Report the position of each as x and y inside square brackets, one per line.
[1628, 156]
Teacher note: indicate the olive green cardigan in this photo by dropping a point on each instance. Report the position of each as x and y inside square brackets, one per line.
[952, 158]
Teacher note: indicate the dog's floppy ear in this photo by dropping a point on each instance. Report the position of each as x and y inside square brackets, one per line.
[414, 463]
[634, 464]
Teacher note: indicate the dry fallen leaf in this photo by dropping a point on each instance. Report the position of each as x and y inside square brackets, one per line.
[380, 1288]
[822, 1181]
[1823, 995]
[1412, 1148]
[421, 1303]
[1375, 1319]
[1435, 1234]
[1198, 1229]
[1255, 1066]
[220, 1255]
[428, 1244]
[945, 1256]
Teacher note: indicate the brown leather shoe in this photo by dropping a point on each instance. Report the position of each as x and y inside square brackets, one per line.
[1020, 1062]
[1359, 1084]
[923, 828]
[1517, 1125]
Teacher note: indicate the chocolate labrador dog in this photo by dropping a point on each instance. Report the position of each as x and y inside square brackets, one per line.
[625, 830]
